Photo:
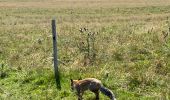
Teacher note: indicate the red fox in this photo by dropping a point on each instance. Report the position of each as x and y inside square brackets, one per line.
[91, 84]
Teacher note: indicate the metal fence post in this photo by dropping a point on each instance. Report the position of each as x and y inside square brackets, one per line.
[57, 75]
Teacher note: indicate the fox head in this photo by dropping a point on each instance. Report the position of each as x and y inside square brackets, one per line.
[74, 83]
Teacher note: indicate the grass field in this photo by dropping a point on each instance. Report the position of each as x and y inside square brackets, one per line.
[130, 53]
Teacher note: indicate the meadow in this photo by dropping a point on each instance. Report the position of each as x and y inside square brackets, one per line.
[128, 48]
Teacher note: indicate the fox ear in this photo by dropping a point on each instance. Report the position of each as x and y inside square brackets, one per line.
[80, 78]
[71, 80]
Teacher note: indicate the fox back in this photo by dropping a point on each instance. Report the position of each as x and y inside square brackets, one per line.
[86, 84]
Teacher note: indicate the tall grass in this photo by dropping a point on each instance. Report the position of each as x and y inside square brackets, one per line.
[131, 48]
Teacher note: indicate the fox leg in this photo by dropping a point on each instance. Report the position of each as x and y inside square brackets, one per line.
[97, 95]
[80, 94]
[79, 97]
[96, 92]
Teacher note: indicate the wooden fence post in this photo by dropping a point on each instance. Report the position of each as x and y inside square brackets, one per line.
[57, 75]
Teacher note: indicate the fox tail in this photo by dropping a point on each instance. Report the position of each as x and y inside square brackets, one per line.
[107, 92]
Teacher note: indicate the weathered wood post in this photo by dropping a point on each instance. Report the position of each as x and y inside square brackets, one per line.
[57, 75]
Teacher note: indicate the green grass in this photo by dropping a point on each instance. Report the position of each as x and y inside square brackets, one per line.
[132, 55]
